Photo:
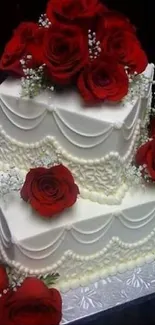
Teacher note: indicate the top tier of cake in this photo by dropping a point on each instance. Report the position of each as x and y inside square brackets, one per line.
[93, 142]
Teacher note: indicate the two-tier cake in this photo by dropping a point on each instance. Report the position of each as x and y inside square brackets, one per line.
[94, 133]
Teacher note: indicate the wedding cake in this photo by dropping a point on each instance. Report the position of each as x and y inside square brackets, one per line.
[74, 120]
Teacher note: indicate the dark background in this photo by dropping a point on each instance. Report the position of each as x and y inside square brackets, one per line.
[140, 12]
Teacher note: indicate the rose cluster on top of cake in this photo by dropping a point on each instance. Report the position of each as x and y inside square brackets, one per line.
[77, 44]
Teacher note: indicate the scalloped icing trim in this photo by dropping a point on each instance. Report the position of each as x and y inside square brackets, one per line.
[91, 275]
[65, 154]
[84, 281]
[115, 188]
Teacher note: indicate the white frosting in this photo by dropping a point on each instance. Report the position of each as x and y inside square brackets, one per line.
[100, 180]
[87, 133]
[94, 143]
[84, 242]
[89, 240]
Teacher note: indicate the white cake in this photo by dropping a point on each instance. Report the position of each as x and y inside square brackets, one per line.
[94, 143]
[92, 239]
[88, 242]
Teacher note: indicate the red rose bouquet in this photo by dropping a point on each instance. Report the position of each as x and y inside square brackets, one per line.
[76, 43]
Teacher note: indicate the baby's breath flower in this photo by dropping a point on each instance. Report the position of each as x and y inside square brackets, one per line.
[44, 21]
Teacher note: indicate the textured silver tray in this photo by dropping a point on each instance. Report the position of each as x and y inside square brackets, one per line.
[108, 293]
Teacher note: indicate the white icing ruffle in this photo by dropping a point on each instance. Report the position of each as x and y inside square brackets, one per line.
[88, 241]
[100, 180]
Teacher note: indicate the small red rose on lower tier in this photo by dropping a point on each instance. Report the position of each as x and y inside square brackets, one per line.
[32, 304]
[50, 190]
[65, 52]
[103, 79]
[145, 156]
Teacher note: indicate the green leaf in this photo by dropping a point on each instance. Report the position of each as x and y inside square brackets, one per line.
[50, 279]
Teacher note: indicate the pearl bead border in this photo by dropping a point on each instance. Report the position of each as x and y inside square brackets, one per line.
[98, 197]
[66, 285]
[74, 159]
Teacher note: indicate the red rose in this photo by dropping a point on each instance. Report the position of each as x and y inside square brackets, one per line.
[103, 80]
[33, 36]
[112, 21]
[119, 40]
[4, 282]
[4, 285]
[50, 190]
[32, 304]
[13, 53]
[73, 11]
[27, 31]
[145, 156]
[65, 52]
[26, 40]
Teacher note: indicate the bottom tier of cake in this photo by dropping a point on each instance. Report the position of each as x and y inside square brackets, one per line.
[87, 242]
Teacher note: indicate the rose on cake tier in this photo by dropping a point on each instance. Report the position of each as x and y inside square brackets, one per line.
[31, 303]
[49, 190]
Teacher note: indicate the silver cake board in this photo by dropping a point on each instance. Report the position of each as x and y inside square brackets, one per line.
[108, 293]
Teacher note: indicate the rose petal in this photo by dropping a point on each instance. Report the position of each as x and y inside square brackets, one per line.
[119, 41]
[142, 61]
[13, 53]
[65, 52]
[84, 89]
[27, 39]
[50, 190]
[38, 171]
[71, 196]
[4, 281]
[96, 76]
[56, 299]
[24, 192]
[64, 10]
[4, 312]
[49, 186]
[141, 155]
[115, 21]
[32, 288]
[47, 196]
[49, 210]
[150, 162]
[134, 56]
[62, 172]
[27, 309]
[26, 189]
